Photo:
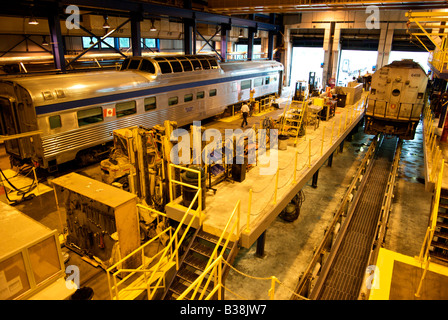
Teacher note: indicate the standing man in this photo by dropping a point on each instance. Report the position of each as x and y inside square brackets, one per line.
[245, 111]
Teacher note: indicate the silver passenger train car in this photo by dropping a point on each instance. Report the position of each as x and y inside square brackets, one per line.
[78, 112]
[396, 99]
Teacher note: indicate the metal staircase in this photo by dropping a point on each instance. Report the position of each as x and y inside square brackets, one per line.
[439, 243]
[194, 261]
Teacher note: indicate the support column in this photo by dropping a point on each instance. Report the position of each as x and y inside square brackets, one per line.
[56, 40]
[189, 36]
[250, 43]
[330, 160]
[136, 39]
[385, 45]
[328, 54]
[260, 245]
[315, 176]
[336, 50]
[225, 36]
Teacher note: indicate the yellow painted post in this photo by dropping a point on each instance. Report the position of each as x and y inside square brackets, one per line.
[309, 157]
[37, 181]
[272, 290]
[323, 139]
[345, 121]
[276, 186]
[331, 139]
[295, 167]
[339, 127]
[170, 187]
[417, 294]
[248, 212]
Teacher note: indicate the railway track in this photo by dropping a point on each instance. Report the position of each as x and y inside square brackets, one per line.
[352, 241]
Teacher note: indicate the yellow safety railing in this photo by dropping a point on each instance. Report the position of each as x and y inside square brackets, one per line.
[424, 252]
[129, 275]
[229, 230]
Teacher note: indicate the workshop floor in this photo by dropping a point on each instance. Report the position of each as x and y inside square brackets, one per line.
[289, 245]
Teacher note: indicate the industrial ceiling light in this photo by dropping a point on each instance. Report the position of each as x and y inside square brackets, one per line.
[106, 25]
[241, 34]
[44, 41]
[33, 21]
[153, 28]
[91, 41]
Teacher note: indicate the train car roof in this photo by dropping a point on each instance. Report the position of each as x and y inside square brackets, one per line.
[406, 63]
[61, 88]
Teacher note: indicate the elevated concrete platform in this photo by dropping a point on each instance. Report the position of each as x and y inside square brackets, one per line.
[267, 202]
[399, 277]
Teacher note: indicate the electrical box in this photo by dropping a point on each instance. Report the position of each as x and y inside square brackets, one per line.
[102, 220]
[31, 262]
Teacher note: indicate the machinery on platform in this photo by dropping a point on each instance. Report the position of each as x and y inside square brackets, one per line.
[396, 99]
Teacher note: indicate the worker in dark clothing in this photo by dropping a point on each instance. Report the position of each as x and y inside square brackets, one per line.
[245, 110]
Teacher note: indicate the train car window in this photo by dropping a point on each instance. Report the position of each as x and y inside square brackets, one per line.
[186, 65]
[245, 84]
[150, 103]
[125, 63]
[172, 101]
[200, 95]
[258, 82]
[196, 64]
[188, 97]
[177, 67]
[212, 93]
[213, 63]
[205, 64]
[125, 108]
[90, 116]
[266, 81]
[165, 67]
[55, 121]
[134, 64]
[147, 66]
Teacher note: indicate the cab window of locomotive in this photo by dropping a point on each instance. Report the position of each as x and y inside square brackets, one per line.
[90, 116]
[245, 84]
[172, 101]
[125, 108]
[266, 81]
[200, 95]
[196, 64]
[187, 65]
[212, 93]
[165, 67]
[125, 63]
[147, 66]
[134, 64]
[205, 64]
[188, 97]
[258, 82]
[55, 121]
[150, 103]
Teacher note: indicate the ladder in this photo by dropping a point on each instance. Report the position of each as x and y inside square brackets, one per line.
[439, 244]
[194, 262]
[293, 119]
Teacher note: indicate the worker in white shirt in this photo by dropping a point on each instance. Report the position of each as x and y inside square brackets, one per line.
[245, 110]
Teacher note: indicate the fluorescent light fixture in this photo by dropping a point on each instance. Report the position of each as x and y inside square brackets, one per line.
[44, 41]
[106, 25]
[33, 21]
[153, 28]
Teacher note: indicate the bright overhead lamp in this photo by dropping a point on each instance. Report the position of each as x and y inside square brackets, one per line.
[33, 21]
[44, 41]
[106, 25]
[153, 27]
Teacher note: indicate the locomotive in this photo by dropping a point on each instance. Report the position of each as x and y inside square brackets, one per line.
[396, 99]
[75, 114]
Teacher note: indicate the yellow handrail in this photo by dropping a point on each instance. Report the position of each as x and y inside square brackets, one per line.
[236, 224]
[132, 271]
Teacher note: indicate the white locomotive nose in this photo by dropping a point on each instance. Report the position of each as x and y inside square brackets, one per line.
[396, 99]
